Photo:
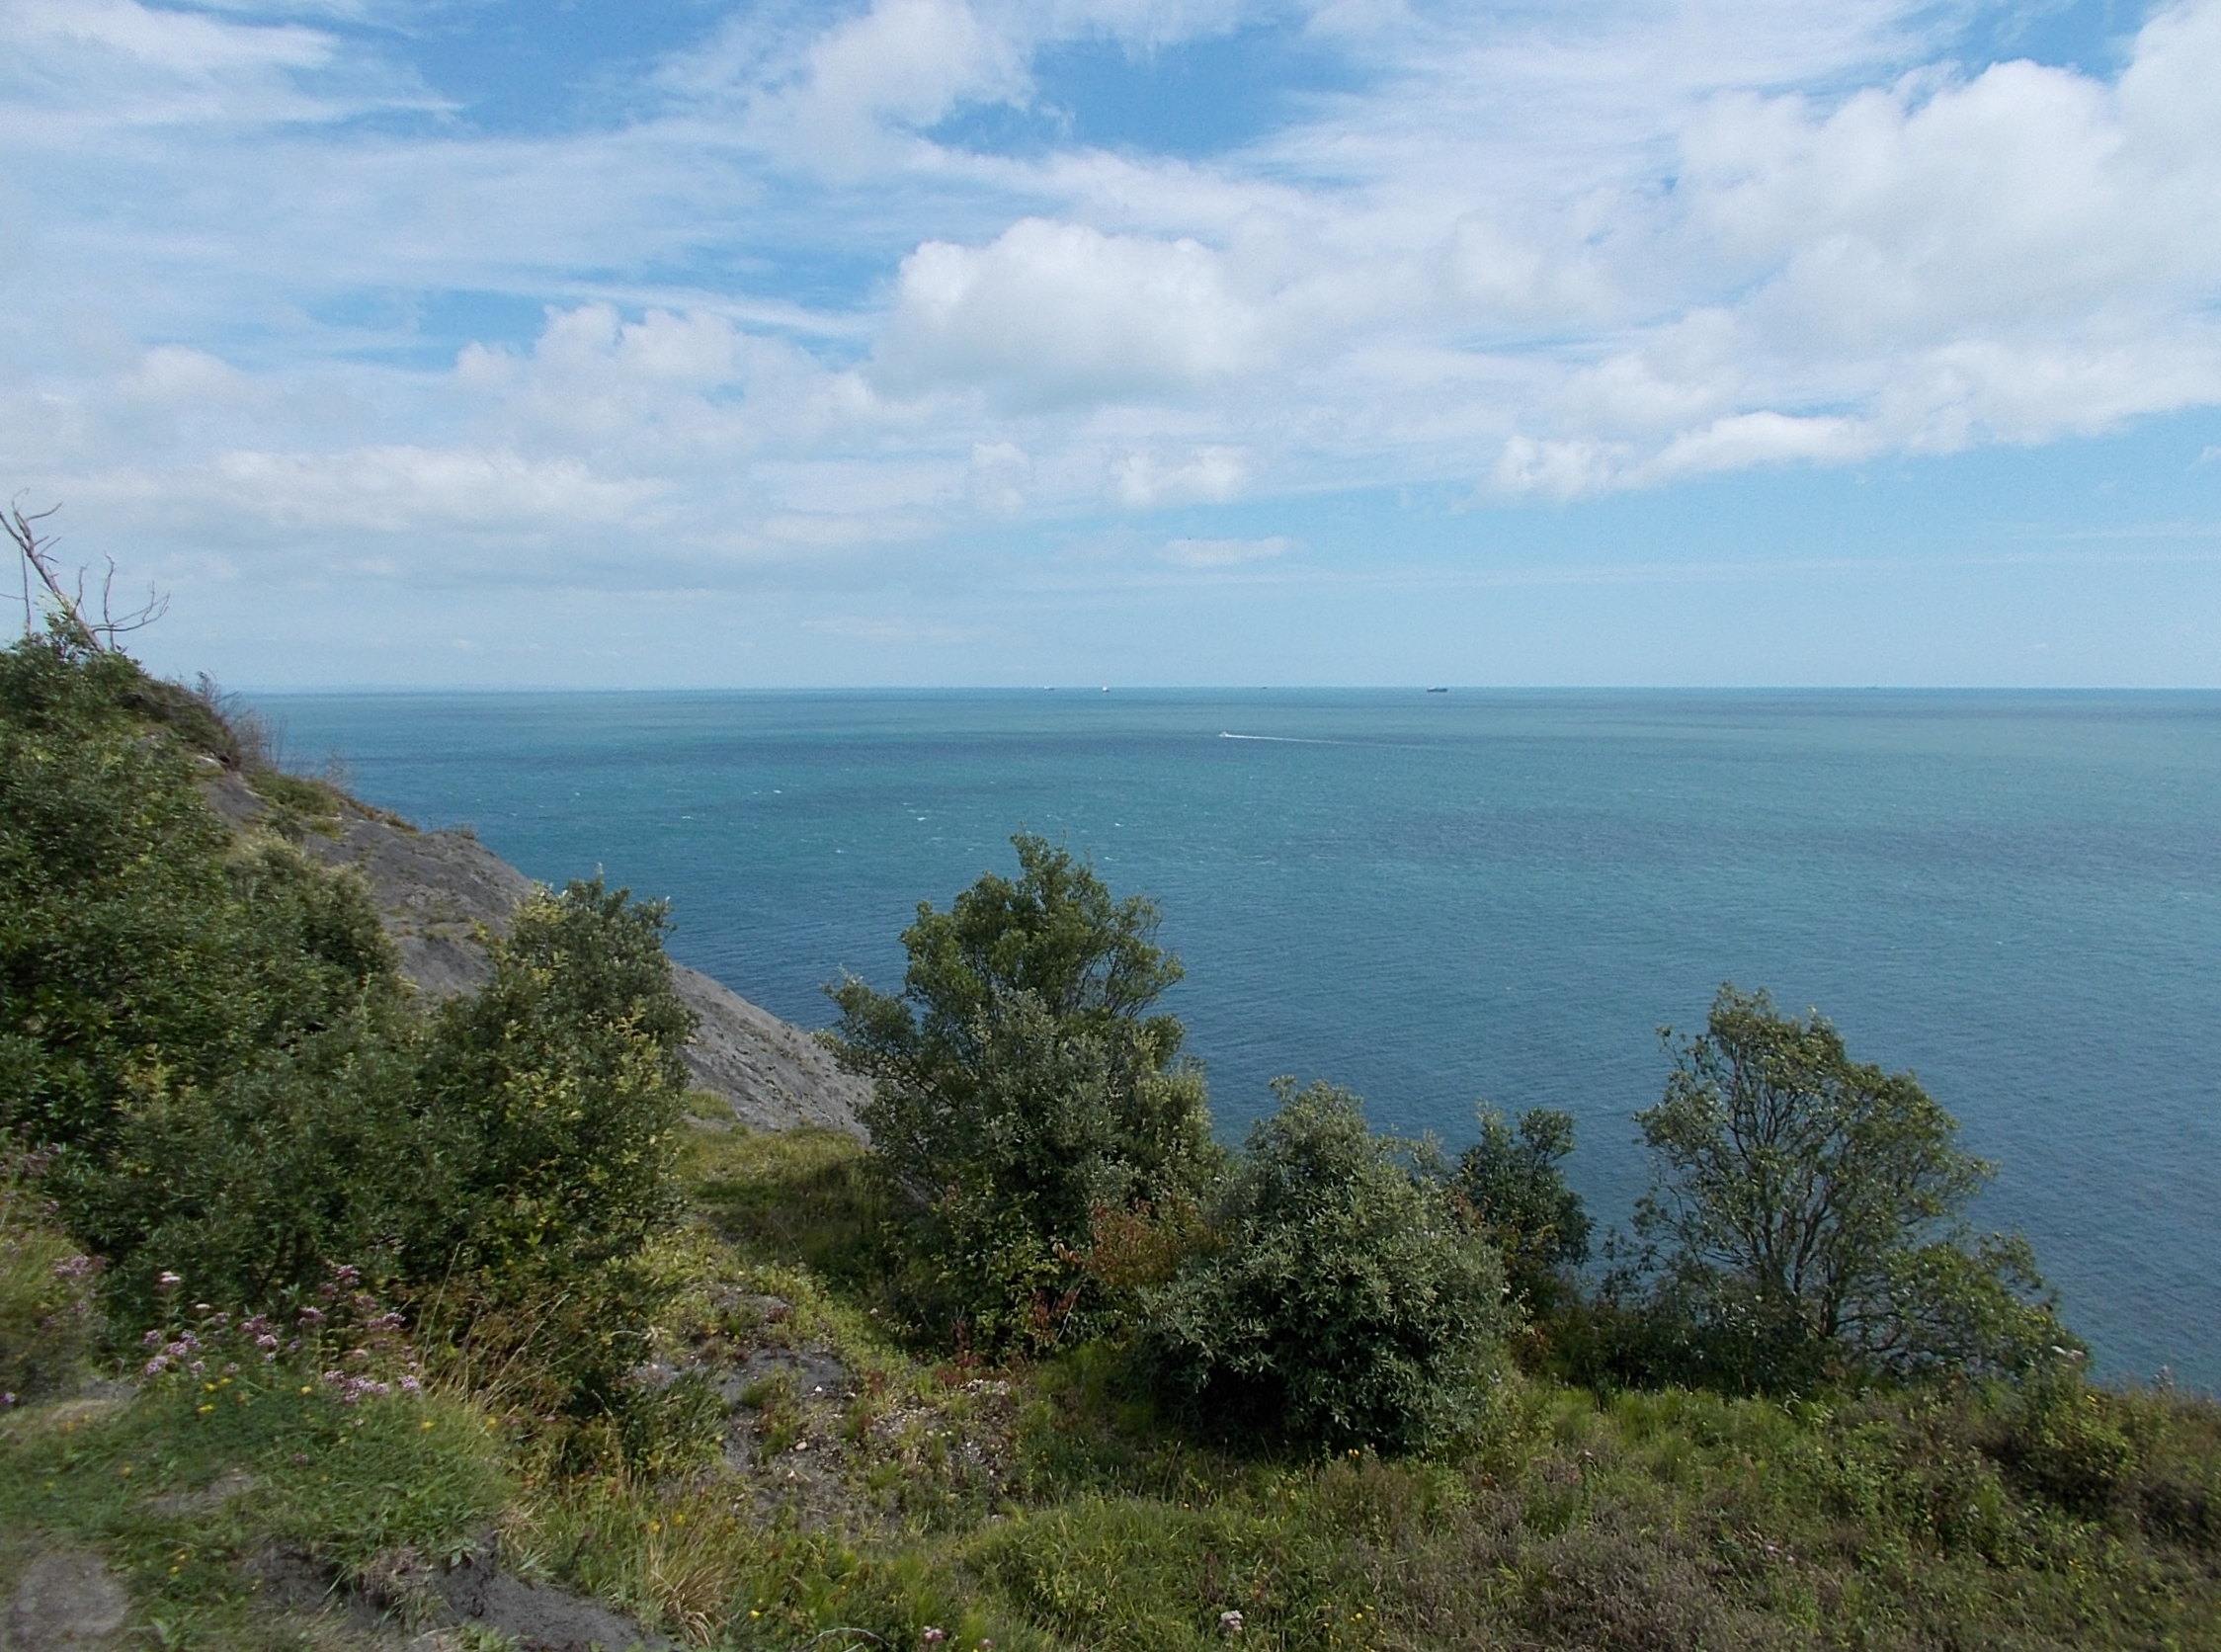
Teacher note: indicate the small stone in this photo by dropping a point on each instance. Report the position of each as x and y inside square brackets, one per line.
[67, 1601]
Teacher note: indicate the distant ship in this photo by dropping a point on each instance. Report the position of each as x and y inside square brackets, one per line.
[1437, 690]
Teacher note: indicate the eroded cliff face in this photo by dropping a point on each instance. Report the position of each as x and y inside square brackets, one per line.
[435, 890]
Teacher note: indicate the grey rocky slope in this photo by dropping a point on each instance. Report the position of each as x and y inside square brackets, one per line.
[435, 890]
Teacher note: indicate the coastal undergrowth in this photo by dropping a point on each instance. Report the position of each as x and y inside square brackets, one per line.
[860, 1487]
[1046, 1503]
[740, 1385]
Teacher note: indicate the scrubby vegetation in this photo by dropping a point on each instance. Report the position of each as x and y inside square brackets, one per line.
[1335, 1300]
[315, 1299]
[1021, 1085]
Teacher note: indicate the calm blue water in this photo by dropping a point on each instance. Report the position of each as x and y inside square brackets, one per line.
[1439, 898]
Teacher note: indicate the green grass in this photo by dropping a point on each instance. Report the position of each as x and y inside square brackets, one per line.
[806, 1198]
[188, 1485]
[1674, 1521]
[298, 802]
[1043, 1509]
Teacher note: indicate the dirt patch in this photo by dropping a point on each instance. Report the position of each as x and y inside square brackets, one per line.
[67, 1600]
[92, 1401]
[539, 1616]
[433, 1600]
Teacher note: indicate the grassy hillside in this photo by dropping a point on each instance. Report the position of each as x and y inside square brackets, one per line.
[840, 1490]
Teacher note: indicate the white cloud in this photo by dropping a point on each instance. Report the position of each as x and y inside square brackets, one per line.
[1051, 314]
[180, 44]
[1143, 481]
[1745, 440]
[892, 631]
[1224, 554]
[1561, 470]
[1548, 254]
[1000, 476]
[384, 491]
[71, 68]
[904, 64]
[1143, 23]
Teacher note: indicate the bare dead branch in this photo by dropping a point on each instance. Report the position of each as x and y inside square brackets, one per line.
[65, 603]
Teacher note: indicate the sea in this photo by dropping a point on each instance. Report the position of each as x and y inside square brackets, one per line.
[1442, 900]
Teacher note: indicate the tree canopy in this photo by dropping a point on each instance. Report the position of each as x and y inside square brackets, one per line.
[207, 1042]
[1809, 1196]
[1514, 1185]
[1021, 1080]
[1339, 1299]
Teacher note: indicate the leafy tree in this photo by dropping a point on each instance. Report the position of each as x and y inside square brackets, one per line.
[209, 1044]
[1518, 1198]
[1802, 1197]
[139, 952]
[554, 1095]
[1020, 1082]
[1341, 1300]
[189, 1028]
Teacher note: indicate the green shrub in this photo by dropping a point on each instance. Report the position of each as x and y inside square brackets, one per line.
[132, 950]
[47, 1321]
[249, 1187]
[1519, 1199]
[200, 1036]
[1341, 1300]
[551, 1105]
[211, 1046]
[1018, 1085]
[2065, 1442]
[1805, 1212]
[556, 1092]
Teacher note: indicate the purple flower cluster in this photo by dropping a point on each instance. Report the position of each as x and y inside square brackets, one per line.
[174, 1350]
[352, 1388]
[357, 1343]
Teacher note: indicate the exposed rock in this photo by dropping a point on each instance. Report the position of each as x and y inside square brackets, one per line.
[774, 1074]
[815, 1374]
[412, 1603]
[67, 1600]
[435, 890]
[539, 1617]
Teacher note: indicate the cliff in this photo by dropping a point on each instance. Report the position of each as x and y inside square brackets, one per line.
[434, 890]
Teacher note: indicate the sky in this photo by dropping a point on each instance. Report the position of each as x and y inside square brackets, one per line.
[680, 343]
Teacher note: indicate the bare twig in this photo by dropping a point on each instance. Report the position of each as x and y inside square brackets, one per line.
[36, 552]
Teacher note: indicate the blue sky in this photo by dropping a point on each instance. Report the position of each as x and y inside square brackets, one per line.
[480, 342]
